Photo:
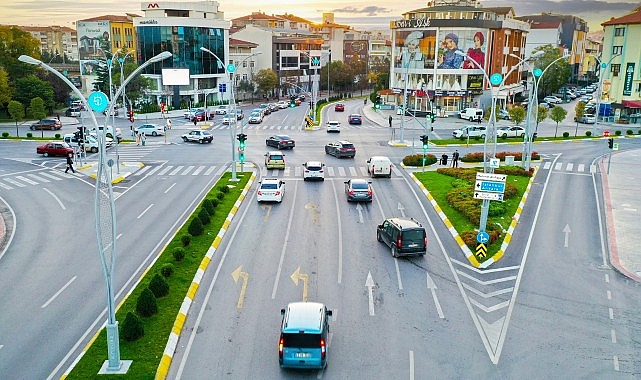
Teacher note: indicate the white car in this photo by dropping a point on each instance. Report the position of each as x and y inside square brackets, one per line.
[222, 110]
[282, 104]
[198, 136]
[270, 190]
[228, 119]
[472, 131]
[255, 118]
[552, 100]
[151, 130]
[314, 170]
[333, 126]
[514, 131]
[191, 112]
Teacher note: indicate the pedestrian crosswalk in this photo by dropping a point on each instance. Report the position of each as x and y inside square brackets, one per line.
[280, 127]
[569, 167]
[33, 178]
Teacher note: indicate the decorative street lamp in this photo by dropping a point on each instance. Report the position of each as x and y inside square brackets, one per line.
[105, 209]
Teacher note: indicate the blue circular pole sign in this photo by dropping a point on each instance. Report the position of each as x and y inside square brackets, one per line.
[231, 68]
[98, 101]
[496, 79]
[604, 65]
[537, 72]
[482, 237]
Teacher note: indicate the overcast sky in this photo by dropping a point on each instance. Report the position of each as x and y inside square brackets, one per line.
[362, 15]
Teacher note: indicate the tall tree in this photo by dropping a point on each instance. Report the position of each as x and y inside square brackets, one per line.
[267, 80]
[36, 109]
[16, 111]
[5, 90]
[13, 43]
[555, 75]
[558, 114]
[30, 87]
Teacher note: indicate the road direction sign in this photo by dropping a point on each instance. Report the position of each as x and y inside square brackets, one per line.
[489, 196]
[491, 186]
[482, 237]
[480, 176]
[494, 162]
[615, 146]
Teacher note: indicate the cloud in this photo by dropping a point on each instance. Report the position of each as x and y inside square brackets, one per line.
[369, 11]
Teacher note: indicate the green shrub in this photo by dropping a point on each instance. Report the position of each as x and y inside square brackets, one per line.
[204, 217]
[209, 206]
[57, 136]
[146, 306]
[131, 328]
[588, 133]
[215, 202]
[159, 286]
[178, 254]
[185, 240]
[196, 227]
[167, 269]
[417, 160]
[566, 134]
[29, 135]
[617, 132]
[5, 134]
[223, 189]
[629, 132]
[220, 195]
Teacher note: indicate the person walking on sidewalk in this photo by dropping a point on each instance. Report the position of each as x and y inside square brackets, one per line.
[455, 159]
[143, 138]
[70, 163]
[390, 121]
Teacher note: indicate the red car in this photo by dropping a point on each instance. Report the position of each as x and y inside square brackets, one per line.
[339, 107]
[355, 119]
[49, 124]
[55, 148]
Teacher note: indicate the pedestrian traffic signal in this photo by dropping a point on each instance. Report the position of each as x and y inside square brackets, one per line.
[241, 140]
[425, 140]
[377, 102]
[130, 114]
[241, 156]
[432, 117]
[610, 143]
[80, 133]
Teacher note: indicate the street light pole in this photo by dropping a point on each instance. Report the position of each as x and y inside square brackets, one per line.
[602, 66]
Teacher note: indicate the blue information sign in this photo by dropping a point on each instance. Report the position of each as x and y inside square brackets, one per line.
[496, 79]
[496, 187]
[98, 101]
[537, 72]
[482, 237]
[231, 68]
[222, 87]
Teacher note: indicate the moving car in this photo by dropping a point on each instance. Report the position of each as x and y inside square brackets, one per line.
[379, 166]
[472, 131]
[333, 126]
[355, 119]
[255, 117]
[228, 119]
[189, 114]
[199, 115]
[239, 114]
[275, 160]
[403, 236]
[270, 190]
[221, 110]
[303, 341]
[514, 131]
[54, 148]
[151, 129]
[471, 114]
[73, 112]
[339, 107]
[340, 149]
[313, 170]
[90, 142]
[280, 142]
[49, 124]
[199, 136]
[358, 190]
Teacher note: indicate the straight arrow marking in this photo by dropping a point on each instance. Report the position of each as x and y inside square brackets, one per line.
[370, 284]
[566, 231]
[432, 287]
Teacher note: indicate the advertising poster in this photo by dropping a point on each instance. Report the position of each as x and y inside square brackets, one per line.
[93, 37]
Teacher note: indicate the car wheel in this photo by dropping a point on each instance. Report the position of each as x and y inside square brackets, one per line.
[32, 128]
[200, 141]
[53, 127]
[394, 251]
[522, 135]
[94, 149]
[46, 154]
[504, 135]
[154, 133]
[378, 236]
[185, 139]
[482, 136]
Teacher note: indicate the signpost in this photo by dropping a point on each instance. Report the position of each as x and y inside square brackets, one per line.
[489, 186]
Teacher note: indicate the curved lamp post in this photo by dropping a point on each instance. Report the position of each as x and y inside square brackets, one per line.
[314, 89]
[105, 217]
[603, 66]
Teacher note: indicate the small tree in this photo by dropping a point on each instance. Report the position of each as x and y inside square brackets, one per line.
[132, 328]
[558, 114]
[16, 110]
[517, 114]
[195, 227]
[579, 110]
[267, 80]
[37, 109]
[541, 115]
[159, 286]
[146, 306]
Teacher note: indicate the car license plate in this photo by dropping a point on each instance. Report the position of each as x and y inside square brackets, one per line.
[412, 245]
[302, 355]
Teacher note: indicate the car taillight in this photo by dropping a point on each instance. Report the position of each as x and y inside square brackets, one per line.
[351, 192]
[323, 349]
[281, 343]
[369, 192]
[399, 241]
[278, 192]
[260, 192]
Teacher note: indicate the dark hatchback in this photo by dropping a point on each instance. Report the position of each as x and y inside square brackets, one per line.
[49, 124]
[280, 142]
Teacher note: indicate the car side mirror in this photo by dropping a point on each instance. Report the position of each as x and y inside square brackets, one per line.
[328, 313]
[346, 182]
[282, 311]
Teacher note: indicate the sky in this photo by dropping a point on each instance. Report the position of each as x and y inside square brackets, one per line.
[361, 15]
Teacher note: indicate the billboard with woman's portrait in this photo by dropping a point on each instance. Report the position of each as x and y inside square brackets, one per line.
[415, 49]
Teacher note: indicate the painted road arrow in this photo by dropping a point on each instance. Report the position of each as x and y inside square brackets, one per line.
[432, 287]
[236, 275]
[401, 209]
[566, 231]
[296, 276]
[359, 208]
[369, 283]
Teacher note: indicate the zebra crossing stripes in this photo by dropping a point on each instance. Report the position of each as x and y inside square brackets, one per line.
[277, 127]
[569, 167]
[18, 181]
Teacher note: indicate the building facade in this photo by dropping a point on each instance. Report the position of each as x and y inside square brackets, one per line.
[443, 54]
[182, 29]
[57, 40]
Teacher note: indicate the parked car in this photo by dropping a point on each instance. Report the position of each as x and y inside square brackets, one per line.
[585, 98]
[50, 124]
[198, 135]
[403, 236]
[339, 107]
[73, 112]
[265, 108]
[273, 107]
[54, 148]
[586, 119]
[552, 100]
[282, 104]
[355, 119]
[313, 170]
[514, 131]
[471, 114]
[280, 142]
[358, 190]
[503, 114]
[340, 149]
[270, 190]
[333, 126]
[151, 130]
[547, 105]
[472, 131]
[255, 117]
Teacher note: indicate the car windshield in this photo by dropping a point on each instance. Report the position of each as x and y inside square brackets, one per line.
[359, 185]
[348, 146]
[275, 157]
[416, 236]
[313, 167]
[269, 186]
[301, 340]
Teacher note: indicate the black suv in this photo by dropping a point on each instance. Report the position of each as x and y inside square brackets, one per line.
[403, 236]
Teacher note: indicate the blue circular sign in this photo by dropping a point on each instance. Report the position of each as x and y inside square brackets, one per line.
[231, 68]
[482, 237]
[98, 101]
[604, 65]
[496, 79]
[537, 72]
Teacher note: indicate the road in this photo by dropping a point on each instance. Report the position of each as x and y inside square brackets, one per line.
[545, 309]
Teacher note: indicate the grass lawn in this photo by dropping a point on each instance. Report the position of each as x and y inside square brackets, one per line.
[147, 351]
[439, 185]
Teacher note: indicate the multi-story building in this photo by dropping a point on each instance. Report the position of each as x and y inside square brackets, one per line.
[443, 54]
[96, 36]
[57, 40]
[590, 68]
[621, 78]
[182, 29]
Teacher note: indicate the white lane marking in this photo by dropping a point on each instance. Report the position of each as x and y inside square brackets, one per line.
[286, 239]
[398, 274]
[369, 284]
[613, 335]
[145, 211]
[431, 285]
[611, 313]
[58, 292]
[411, 365]
[340, 236]
[170, 187]
[62, 206]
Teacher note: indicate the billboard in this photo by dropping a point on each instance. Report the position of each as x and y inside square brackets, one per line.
[93, 40]
[175, 77]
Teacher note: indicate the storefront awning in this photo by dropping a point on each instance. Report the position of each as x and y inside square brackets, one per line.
[631, 103]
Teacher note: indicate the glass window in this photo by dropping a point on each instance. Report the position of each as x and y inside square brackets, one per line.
[618, 32]
[617, 49]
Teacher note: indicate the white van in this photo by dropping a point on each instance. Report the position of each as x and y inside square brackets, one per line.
[379, 166]
[90, 143]
[471, 114]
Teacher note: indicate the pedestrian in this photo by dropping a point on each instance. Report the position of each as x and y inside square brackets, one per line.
[70, 163]
[143, 138]
[455, 159]
[58, 117]
[168, 123]
[390, 121]
[137, 136]
[479, 119]
[195, 122]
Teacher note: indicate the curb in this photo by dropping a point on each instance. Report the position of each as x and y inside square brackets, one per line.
[172, 342]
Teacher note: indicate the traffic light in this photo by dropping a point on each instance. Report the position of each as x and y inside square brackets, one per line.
[241, 140]
[432, 117]
[130, 114]
[377, 103]
[425, 140]
[81, 133]
[610, 143]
